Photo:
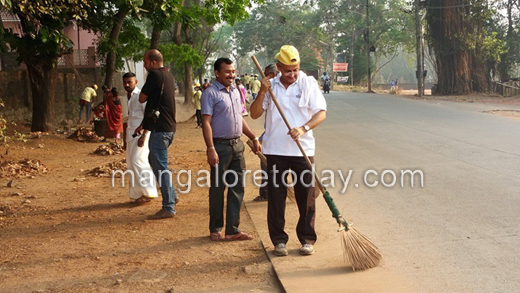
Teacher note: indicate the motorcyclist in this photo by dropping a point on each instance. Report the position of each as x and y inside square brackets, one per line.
[325, 82]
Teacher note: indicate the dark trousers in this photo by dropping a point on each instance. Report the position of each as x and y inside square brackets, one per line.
[263, 190]
[198, 113]
[277, 195]
[125, 126]
[231, 157]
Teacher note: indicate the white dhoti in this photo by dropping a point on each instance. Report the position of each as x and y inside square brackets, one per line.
[137, 161]
[142, 183]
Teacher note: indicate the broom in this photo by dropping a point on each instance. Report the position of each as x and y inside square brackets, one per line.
[358, 250]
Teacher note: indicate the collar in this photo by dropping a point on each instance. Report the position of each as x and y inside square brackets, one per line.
[221, 86]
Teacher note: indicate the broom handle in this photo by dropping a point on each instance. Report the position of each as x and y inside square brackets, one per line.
[309, 164]
[259, 154]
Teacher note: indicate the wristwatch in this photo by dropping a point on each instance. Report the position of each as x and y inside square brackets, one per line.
[306, 127]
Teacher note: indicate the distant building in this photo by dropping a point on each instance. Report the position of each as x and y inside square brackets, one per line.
[83, 56]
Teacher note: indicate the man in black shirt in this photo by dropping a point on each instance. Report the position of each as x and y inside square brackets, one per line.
[159, 119]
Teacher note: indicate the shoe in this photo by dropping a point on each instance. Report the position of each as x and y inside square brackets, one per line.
[307, 249]
[162, 214]
[239, 236]
[280, 250]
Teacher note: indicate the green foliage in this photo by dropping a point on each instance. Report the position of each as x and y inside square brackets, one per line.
[229, 11]
[131, 45]
[180, 55]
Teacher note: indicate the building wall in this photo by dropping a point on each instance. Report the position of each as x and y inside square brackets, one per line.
[82, 39]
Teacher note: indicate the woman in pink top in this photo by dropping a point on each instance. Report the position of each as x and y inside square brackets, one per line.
[243, 97]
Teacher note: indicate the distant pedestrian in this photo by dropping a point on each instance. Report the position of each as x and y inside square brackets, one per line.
[113, 114]
[255, 86]
[197, 94]
[205, 85]
[243, 97]
[86, 100]
[392, 86]
[247, 80]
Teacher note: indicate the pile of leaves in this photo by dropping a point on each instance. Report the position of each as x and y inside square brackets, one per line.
[20, 169]
[84, 134]
[109, 149]
[106, 170]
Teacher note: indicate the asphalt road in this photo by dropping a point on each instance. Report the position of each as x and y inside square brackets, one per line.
[460, 231]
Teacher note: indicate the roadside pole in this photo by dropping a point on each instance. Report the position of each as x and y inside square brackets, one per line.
[418, 35]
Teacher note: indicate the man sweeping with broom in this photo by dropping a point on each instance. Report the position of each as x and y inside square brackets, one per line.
[305, 105]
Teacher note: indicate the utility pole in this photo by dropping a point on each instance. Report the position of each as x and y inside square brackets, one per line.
[351, 65]
[368, 50]
[418, 35]
[332, 64]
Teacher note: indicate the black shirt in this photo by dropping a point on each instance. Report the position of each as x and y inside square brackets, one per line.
[165, 104]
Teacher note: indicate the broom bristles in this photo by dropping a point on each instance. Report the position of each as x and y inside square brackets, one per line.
[359, 251]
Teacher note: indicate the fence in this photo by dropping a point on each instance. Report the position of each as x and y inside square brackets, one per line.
[507, 88]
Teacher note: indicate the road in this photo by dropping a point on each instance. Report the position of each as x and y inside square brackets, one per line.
[458, 233]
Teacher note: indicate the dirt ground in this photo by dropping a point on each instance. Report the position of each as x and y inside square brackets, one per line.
[66, 231]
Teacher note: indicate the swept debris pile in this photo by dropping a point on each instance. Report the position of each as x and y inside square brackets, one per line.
[109, 149]
[21, 169]
[84, 134]
[106, 170]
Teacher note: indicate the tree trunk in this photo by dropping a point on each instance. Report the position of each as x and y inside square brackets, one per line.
[510, 17]
[156, 36]
[177, 39]
[188, 84]
[114, 43]
[460, 69]
[42, 77]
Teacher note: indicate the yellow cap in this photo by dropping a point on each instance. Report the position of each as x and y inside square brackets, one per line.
[196, 84]
[288, 55]
[94, 87]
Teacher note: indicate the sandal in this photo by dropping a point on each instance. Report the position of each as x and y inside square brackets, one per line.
[142, 200]
[216, 236]
[260, 198]
[239, 236]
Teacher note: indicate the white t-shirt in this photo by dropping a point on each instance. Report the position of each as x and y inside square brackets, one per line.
[276, 141]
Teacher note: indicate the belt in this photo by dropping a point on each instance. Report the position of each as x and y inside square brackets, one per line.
[229, 141]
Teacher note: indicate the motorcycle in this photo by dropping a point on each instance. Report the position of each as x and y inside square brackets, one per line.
[326, 86]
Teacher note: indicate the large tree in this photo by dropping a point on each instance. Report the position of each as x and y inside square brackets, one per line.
[509, 32]
[106, 19]
[40, 45]
[465, 50]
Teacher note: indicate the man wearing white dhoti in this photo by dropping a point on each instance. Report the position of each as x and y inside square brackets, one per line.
[142, 185]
